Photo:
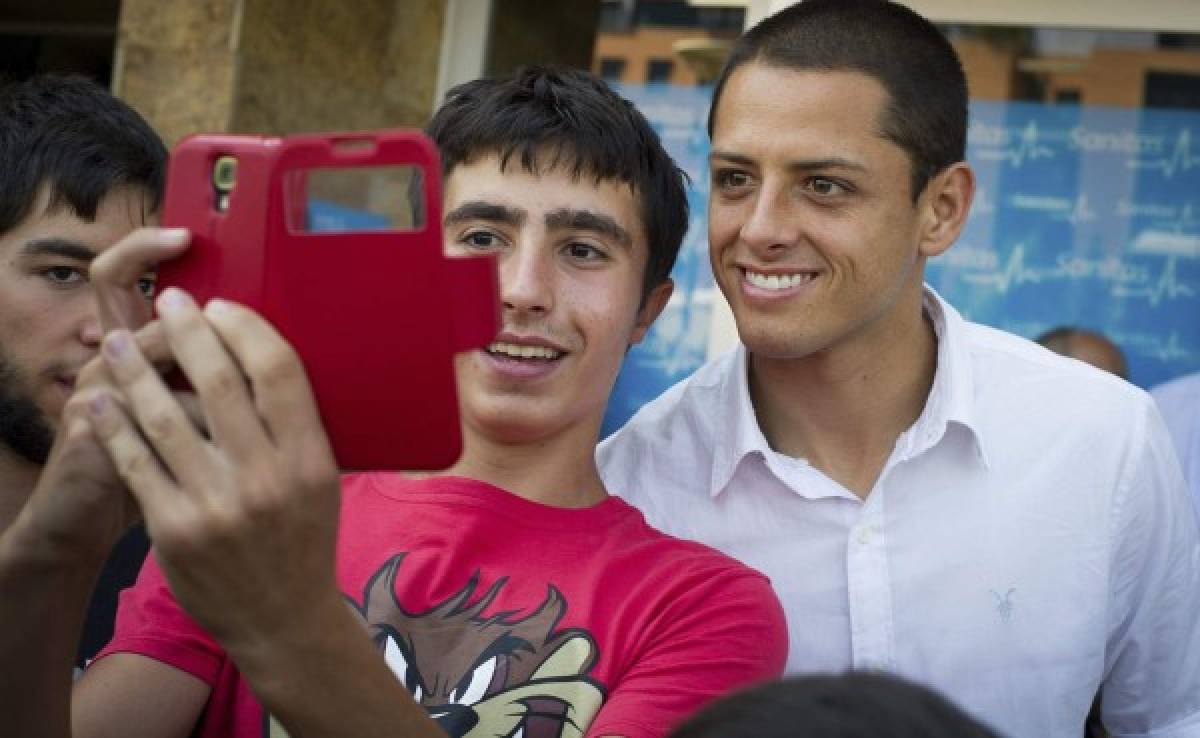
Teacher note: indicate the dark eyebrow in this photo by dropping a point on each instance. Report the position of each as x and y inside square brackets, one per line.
[829, 162]
[586, 220]
[58, 247]
[489, 211]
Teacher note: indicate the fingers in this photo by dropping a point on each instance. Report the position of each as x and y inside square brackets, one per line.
[115, 274]
[161, 419]
[281, 390]
[221, 388]
[87, 459]
[152, 343]
[135, 463]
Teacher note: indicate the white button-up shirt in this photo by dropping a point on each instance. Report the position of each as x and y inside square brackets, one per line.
[1029, 537]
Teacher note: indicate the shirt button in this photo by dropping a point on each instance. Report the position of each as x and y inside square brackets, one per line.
[864, 536]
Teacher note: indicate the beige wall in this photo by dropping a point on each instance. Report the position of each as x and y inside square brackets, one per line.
[991, 71]
[175, 63]
[278, 66]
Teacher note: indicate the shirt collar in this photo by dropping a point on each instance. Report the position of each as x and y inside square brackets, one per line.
[951, 400]
[737, 432]
[952, 397]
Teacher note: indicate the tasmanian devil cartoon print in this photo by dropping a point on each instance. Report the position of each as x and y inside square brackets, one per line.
[484, 675]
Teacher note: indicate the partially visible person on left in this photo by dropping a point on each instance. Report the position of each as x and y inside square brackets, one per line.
[81, 169]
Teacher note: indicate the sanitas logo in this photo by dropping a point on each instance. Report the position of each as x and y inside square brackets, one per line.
[1120, 142]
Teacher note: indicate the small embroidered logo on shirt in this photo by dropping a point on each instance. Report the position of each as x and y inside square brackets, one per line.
[1004, 605]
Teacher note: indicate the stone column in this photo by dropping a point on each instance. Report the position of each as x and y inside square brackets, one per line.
[278, 66]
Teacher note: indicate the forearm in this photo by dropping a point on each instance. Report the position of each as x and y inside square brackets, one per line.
[43, 602]
[328, 680]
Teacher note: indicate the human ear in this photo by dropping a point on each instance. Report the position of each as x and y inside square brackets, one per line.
[945, 204]
[652, 307]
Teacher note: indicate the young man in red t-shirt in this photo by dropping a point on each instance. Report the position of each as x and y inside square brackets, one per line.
[509, 596]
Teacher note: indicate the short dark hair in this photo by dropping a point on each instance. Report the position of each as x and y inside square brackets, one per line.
[71, 135]
[563, 117]
[855, 705]
[926, 114]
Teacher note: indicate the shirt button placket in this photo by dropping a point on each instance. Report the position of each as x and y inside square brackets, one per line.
[869, 589]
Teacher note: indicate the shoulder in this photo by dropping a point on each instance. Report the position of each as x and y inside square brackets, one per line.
[699, 625]
[1020, 374]
[669, 438]
[702, 599]
[673, 563]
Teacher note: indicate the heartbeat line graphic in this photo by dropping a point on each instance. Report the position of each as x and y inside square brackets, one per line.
[1126, 280]
[1082, 212]
[1170, 350]
[1014, 273]
[1028, 148]
[1167, 243]
[1167, 287]
[1166, 349]
[1179, 160]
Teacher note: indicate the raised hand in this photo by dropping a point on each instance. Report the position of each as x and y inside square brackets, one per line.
[243, 520]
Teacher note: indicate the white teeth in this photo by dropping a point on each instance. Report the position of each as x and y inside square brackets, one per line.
[777, 281]
[523, 352]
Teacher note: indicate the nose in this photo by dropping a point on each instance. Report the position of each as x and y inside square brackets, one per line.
[456, 720]
[90, 331]
[526, 280]
[772, 225]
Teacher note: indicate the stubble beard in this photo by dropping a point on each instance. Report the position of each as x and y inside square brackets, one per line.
[24, 428]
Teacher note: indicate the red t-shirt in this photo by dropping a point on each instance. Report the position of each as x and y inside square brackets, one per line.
[507, 614]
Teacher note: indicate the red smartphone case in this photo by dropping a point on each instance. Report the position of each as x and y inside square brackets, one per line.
[375, 316]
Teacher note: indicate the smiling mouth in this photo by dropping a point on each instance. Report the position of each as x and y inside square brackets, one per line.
[520, 352]
[778, 281]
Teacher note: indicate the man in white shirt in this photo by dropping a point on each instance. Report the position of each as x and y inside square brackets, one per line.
[929, 496]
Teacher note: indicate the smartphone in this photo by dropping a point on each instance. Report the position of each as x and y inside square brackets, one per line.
[336, 239]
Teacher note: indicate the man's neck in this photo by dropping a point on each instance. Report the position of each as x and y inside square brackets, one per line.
[18, 477]
[843, 409]
[559, 471]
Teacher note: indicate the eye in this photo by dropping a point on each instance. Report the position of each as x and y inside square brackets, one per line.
[146, 285]
[469, 692]
[394, 656]
[63, 276]
[582, 251]
[480, 240]
[826, 187]
[730, 179]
